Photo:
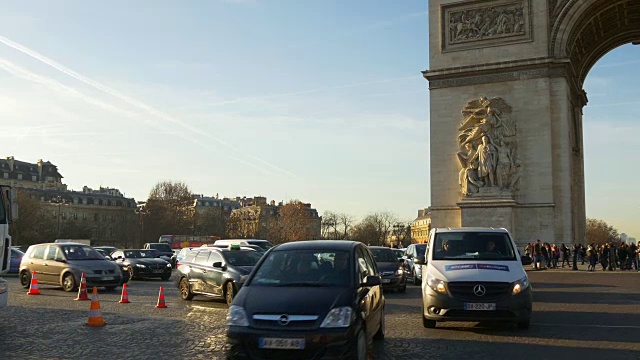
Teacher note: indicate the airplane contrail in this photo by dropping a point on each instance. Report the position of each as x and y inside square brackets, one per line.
[23, 73]
[132, 101]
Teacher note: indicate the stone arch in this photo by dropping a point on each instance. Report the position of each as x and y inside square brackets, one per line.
[583, 31]
[538, 69]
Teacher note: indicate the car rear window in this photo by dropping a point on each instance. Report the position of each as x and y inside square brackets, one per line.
[383, 255]
[161, 247]
[241, 257]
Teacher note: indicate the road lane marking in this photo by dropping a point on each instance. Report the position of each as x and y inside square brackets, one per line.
[592, 326]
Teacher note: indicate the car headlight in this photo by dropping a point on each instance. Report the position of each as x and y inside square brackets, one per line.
[399, 271]
[237, 316]
[3, 287]
[338, 317]
[141, 266]
[520, 285]
[168, 265]
[436, 284]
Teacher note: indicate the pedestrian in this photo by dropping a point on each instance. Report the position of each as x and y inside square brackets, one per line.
[633, 254]
[564, 251]
[575, 250]
[537, 252]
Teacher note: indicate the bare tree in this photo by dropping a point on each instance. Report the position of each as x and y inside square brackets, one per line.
[292, 224]
[170, 210]
[375, 228]
[34, 225]
[599, 232]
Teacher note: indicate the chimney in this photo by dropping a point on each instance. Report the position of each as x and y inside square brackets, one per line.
[11, 161]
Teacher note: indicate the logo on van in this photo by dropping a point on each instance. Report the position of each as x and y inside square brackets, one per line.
[479, 290]
[453, 267]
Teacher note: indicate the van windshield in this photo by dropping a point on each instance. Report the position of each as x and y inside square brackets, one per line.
[472, 245]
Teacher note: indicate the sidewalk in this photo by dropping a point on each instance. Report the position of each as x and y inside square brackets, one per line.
[581, 268]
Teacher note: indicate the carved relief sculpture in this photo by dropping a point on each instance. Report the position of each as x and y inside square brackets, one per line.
[486, 22]
[488, 151]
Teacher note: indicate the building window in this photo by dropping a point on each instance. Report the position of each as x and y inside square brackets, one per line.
[49, 178]
[34, 178]
[19, 176]
[84, 201]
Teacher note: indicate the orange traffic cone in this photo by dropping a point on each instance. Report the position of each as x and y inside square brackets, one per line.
[95, 316]
[161, 304]
[82, 290]
[33, 288]
[124, 299]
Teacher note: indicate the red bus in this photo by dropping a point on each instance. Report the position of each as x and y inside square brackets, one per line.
[182, 241]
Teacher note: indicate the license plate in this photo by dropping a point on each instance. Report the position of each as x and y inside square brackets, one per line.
[107, 278]
[386, 281]
[280, 343]
[480, 306]
[158, 271]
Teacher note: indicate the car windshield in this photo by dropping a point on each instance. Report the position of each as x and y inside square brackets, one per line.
[421, 249]
[241, 258]
[399, 253]
[140, 254]
[80, 252]
[472, 246]
[383, 255]
[317, 268]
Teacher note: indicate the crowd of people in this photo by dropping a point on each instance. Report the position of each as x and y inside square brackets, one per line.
[610, 256]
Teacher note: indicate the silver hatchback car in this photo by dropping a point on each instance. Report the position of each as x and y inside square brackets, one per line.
[63, 265]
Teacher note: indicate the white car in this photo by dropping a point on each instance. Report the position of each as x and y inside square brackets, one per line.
[474, 274]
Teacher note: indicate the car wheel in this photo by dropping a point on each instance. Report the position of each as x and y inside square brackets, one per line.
[415, 277]
[229, 293]
[379, 336]
[361, 346]
[132, 274]
[429, 324]
[25, 279]
[185, 290]
[404, 286]
[68, 282]
[524, 324]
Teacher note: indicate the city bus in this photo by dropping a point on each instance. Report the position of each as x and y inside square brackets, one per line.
[183, 241]
[8, 213]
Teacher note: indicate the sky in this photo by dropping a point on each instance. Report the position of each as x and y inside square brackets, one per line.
[317, 100]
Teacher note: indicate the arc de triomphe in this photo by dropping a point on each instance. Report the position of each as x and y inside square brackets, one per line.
[506, 100]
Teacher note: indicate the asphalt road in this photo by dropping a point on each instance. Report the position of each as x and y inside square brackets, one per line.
[577, 315]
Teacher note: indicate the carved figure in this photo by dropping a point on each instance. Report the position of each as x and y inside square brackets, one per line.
[487, 158]
[487, 22]
[488, 151]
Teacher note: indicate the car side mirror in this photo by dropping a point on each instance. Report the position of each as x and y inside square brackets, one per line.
[217, 264]
[418, 260]
[371, 280]
[108, 257]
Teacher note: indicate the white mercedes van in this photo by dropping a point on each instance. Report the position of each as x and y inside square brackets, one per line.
[474, 274]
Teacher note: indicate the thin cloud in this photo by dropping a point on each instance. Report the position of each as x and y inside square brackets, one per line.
[138, 104]
[391, 22]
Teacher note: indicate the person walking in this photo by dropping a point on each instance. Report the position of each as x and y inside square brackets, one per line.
[564, 251]
[537, 255]
[575, 250]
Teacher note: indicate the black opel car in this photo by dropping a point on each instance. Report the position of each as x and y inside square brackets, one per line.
[308, 300]
[143, 264]
[213, 271]
[391, 268]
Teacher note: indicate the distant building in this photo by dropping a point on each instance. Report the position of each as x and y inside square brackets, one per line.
[421, 226]
[632, 240]
[255, 217]
[624, 237]
[106, 216]
[42, 175]
[212, 214]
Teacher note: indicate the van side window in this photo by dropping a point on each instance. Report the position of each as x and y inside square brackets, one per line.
[214, 257]
[361, 265]
[38, 252]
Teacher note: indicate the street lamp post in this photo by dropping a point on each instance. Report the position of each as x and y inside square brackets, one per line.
[141, 210]
[58, 200]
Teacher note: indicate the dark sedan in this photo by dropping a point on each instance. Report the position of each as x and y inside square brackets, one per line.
[391, 268]
[124, 268]
[213, 271]
[308, 300]
[143, 264]
[16, 258]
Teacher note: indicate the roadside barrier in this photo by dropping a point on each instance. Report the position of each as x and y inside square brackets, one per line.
[161, 304]
[33, 288]
[95, 315]
[124, 298]
[82, 290]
